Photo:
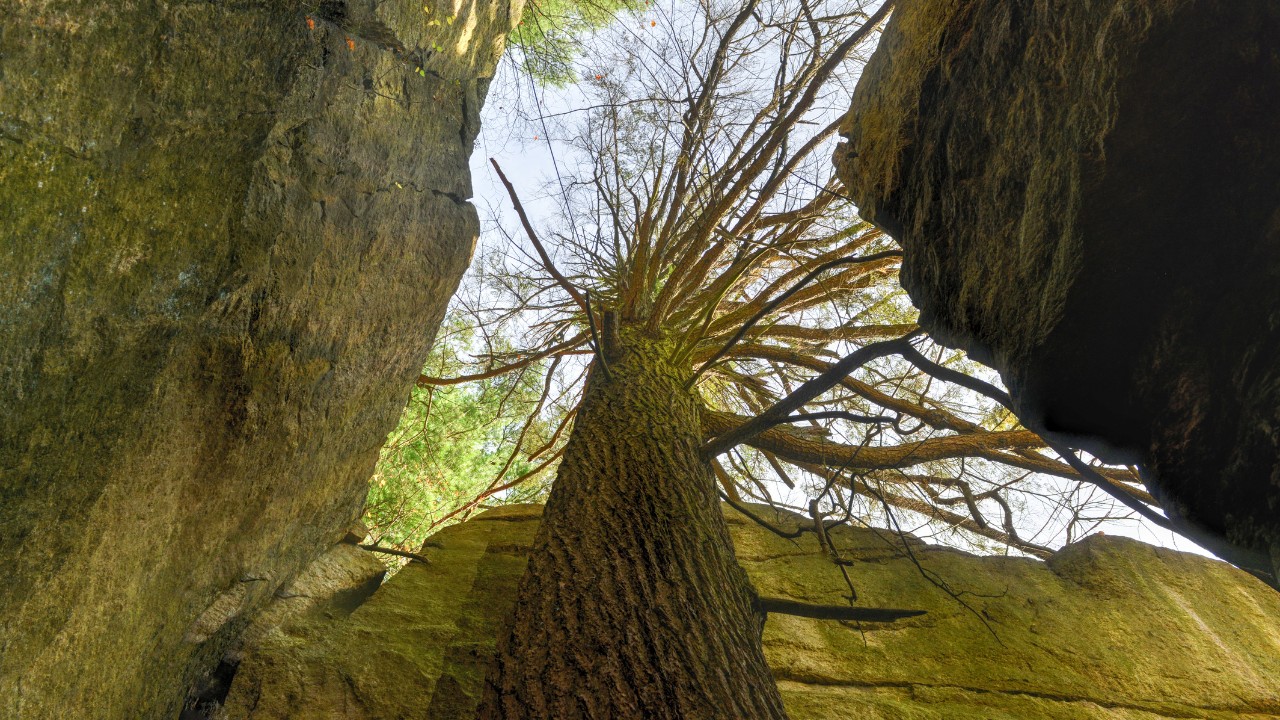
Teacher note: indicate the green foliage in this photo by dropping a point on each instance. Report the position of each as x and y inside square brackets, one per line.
[452, 441]
[550, 34]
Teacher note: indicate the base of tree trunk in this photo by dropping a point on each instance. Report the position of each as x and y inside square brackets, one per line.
[633, 605]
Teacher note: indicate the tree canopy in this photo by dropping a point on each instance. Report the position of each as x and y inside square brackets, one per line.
[694, 198]
[701, 315]
[548, 39]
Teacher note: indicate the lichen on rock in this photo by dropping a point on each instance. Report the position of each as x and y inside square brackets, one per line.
[1108, 628]
[1086, 196]
[227, 234]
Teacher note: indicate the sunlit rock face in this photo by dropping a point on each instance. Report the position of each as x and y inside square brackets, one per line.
[1088, 197]
[1107, 629]
[228, 232]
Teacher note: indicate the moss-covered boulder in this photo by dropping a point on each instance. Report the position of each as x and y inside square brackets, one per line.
[1087, 193]
[228, 232]
[1107, 628]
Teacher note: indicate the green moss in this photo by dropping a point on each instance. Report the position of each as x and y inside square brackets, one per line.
[212, 314]
[1109, 629]
[418, 649]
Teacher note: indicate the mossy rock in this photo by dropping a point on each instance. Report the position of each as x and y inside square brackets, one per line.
[1086, 193]
[227, 233]
[1108, 628]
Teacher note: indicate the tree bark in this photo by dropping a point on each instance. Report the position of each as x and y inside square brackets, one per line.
[633, 604]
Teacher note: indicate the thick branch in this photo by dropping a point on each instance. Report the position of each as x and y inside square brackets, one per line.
[393, 551]
[833, 612]
[1024, 458]
[799, 448]
[803, 394]
[836, 415]
[934, 417]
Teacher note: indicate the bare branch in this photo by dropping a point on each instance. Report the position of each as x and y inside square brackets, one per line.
[806, 392]
[537, 244]
[774, 303]
[426, 381]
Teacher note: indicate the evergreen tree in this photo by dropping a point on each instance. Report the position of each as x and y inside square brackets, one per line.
[707, 319]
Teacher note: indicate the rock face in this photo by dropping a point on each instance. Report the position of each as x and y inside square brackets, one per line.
[1107, 628]
[339, 581]
[228, 232]
[334, 584]
[1088, 196]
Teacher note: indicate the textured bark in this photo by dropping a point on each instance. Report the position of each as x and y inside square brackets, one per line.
[633, 604]
[798, 447]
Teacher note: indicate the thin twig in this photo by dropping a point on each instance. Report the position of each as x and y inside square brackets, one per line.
[785, 534]
[1096, 479]
[428, 381]
[774, 303]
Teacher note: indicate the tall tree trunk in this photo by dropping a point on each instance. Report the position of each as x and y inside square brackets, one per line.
[633, 605]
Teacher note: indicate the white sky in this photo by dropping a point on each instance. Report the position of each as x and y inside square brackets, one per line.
[528, 157]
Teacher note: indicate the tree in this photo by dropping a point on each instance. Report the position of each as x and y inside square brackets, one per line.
[548, 36]
[449, 440]
[707, 309]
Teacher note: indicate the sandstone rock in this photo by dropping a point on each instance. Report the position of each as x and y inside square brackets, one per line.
[227, 234]
[338, 582]
[1087, 193]
[1107, 628]
[417, 649]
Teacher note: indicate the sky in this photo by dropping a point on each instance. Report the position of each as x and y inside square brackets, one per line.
[533, 154]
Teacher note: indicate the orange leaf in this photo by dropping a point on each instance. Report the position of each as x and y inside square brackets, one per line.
[311, 23]
[351, 44]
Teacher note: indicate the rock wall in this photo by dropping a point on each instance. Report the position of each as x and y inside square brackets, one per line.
[1088, 196]
[228, 232]
[1107, 628]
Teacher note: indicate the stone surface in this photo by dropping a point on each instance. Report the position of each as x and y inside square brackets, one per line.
[227, 234]
[338, 581]
[417, 649]
[1087, 193]
[333, 585]
[1107, 628]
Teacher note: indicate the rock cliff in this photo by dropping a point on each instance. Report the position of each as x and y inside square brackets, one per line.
[228, 232]
[1107, 628]
[1087, 193]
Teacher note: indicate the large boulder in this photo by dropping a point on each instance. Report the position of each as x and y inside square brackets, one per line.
[1087, 193]
[228, 231]
[1108, 628]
